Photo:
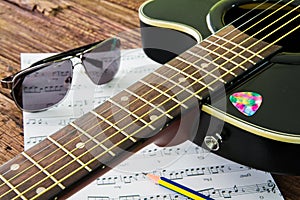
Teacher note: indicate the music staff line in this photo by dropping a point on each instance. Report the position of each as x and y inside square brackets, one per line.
[216, 193]
[173, 175]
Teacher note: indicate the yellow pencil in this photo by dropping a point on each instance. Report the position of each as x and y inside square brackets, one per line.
[167, 183]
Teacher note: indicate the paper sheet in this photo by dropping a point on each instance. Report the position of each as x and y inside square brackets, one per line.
[186, 163]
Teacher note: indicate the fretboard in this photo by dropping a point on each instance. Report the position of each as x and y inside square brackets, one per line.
[123, 123]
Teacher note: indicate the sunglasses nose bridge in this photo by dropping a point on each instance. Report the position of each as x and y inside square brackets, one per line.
[77, 61]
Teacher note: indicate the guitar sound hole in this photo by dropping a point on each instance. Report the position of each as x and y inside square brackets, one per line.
[254, 22]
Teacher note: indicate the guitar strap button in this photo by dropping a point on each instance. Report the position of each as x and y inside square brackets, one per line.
[213, 142]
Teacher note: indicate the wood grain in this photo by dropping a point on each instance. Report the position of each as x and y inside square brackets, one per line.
[58, 25]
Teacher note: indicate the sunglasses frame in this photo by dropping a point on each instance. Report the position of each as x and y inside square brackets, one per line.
[10, 81]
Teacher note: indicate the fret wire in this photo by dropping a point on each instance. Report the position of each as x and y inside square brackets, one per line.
[68, 153]
[228, 50]
[211, 62]
[113, 125]
[12, 188]
[43, 170]
[190, 76]
[91, 138]
[199, 68]
[174, 83]
[147, 102]
[224, 57]
[164, 93]
[289, 32]
[131, 113]
[237, 45]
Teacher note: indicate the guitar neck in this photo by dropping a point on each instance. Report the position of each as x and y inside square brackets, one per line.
[132, 118]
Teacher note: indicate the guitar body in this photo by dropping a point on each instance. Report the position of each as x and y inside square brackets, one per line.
[269, 139]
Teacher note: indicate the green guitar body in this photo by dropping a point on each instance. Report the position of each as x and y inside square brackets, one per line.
[270, 139]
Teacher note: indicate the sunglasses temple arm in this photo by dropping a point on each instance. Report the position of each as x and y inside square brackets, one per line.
[7, 82]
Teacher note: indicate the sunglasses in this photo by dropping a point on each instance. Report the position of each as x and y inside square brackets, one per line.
[46, 82]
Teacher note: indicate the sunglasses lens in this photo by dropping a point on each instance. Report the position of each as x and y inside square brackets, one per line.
[102, 62]
[42, 88]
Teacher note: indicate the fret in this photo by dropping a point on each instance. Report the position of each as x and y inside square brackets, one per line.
[131, 113]
[164, 93]
[12, 188]
[188, 75]
[223, 57]
[92, 138]
[210, 72]
[207, 78]
[43, 170]
[194, 86]
[69, 153]
[148, 102]
[212, 81]
[145, 111]
[178, 84]
[211, 62]
[230, 41]
[113, 125]
[229, 50]
[202, 69]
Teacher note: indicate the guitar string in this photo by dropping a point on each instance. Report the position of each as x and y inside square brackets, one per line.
[131, 102]
[120, 142]
[259, 13]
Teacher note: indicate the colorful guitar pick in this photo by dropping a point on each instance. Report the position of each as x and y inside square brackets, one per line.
[246, 102]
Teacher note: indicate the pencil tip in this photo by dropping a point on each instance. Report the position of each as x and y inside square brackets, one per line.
[153, 177]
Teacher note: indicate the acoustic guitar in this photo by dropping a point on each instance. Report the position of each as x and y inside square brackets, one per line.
[233, 32]
[186, 98]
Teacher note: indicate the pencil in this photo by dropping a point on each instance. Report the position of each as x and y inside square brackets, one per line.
[167, 183]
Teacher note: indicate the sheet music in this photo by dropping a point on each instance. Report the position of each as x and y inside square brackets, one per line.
[186, 163]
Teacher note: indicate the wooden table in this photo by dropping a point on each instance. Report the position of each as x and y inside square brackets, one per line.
[58, 25]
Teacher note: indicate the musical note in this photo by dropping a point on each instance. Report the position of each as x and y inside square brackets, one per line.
[35, 140]
[230, 192]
